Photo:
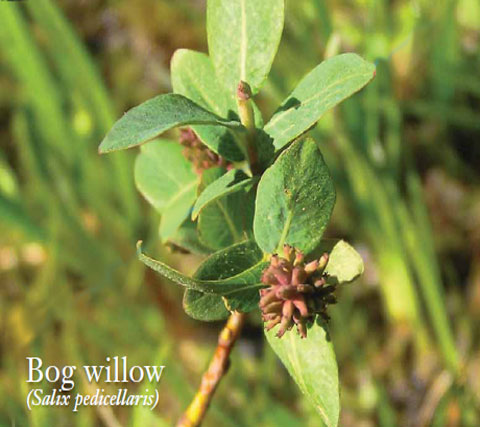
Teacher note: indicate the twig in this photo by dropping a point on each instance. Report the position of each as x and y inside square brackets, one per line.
[247, 117]
[218, 367]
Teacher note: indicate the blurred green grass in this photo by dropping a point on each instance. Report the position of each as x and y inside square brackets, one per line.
[405, 155]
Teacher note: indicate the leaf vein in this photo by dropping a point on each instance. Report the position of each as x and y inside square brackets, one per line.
[180, 194]
[244, 43]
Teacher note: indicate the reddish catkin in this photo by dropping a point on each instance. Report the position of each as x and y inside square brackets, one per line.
[297, 291]
[199, 154]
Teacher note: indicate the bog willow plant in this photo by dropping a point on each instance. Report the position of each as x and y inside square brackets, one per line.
[254, 197]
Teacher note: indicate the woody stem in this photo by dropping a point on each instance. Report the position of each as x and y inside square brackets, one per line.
[218, 367]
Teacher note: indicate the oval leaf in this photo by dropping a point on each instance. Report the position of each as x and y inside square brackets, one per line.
[246, 300]
[155, 116]
[244, 259]
[242, 263]
[243, 37]
[323, 88]
[245, 280]
[167, 180]
[162, 172]
[186, 238]
[230, 262]
[295, 199]
[233, 181]
[312, 364]
[193, 76]
[225, 221]
[344, 264]
[204, 307]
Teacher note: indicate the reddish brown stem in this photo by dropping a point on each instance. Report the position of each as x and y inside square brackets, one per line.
[218, 367]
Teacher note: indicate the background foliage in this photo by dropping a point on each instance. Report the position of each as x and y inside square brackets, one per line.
[405, 156]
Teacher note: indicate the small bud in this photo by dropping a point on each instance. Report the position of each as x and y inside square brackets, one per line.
[298, 259]
[289, 253]
[269, 316]
[272, 323]
[302, 329]
[298, 276]
[274, 260]
[268, 297]
[323, 261]
[285, 325]
[187, 136]
[244, 92]
[288, 308]
[299, 303]
[286, 292]
[274, 307]
[283, 279]
[268, 278]
[197, 153]
[311, 267]
[305, 289]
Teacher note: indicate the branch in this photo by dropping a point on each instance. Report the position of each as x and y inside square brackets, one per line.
[218, 367]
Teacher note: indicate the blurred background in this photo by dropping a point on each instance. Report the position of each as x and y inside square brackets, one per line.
[405, 155]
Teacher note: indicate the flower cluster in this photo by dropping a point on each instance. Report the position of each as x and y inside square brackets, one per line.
[199, 154]
[296, 292]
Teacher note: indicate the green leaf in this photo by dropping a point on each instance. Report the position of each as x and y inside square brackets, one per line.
[344, 263]
[245, 280]
[246, 300]
[312, 364]
[243, 262]
[169, 272]
[155, 116]
[323, 88]
[227, 220]
[173, 217]
[265, 149]
[258, 117]
[230, 262]
[295, 199]
[186, 238]
[204, 307]
[167, 180]
[243, 37]
[161, 172]
[193, 76]
[233, 181]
